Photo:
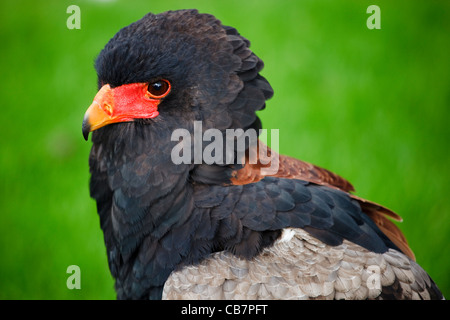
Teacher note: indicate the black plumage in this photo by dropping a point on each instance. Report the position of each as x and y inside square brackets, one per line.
[158, 216]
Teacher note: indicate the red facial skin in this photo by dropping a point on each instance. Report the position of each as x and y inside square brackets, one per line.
[121, 104]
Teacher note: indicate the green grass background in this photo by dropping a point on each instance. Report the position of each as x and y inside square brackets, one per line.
[371, 105]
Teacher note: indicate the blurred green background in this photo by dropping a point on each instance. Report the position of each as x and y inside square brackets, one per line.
[371, 105]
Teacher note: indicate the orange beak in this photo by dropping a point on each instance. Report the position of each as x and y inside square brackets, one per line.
[121, 104]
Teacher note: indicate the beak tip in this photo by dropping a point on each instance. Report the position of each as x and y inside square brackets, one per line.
[86, 128]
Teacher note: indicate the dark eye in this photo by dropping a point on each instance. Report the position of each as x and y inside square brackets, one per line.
[158, 89]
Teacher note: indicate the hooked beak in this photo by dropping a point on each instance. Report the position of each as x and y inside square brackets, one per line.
[99, 112]
[120, 104]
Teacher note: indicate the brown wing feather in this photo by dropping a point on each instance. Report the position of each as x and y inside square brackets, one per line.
[292, 168]
[288, 167]
[378, 215]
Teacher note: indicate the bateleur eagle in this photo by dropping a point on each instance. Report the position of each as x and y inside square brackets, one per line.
[223, 230]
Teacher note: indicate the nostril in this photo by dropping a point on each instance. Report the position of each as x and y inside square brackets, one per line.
[108, 109]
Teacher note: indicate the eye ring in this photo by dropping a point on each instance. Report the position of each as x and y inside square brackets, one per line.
[158, 89]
